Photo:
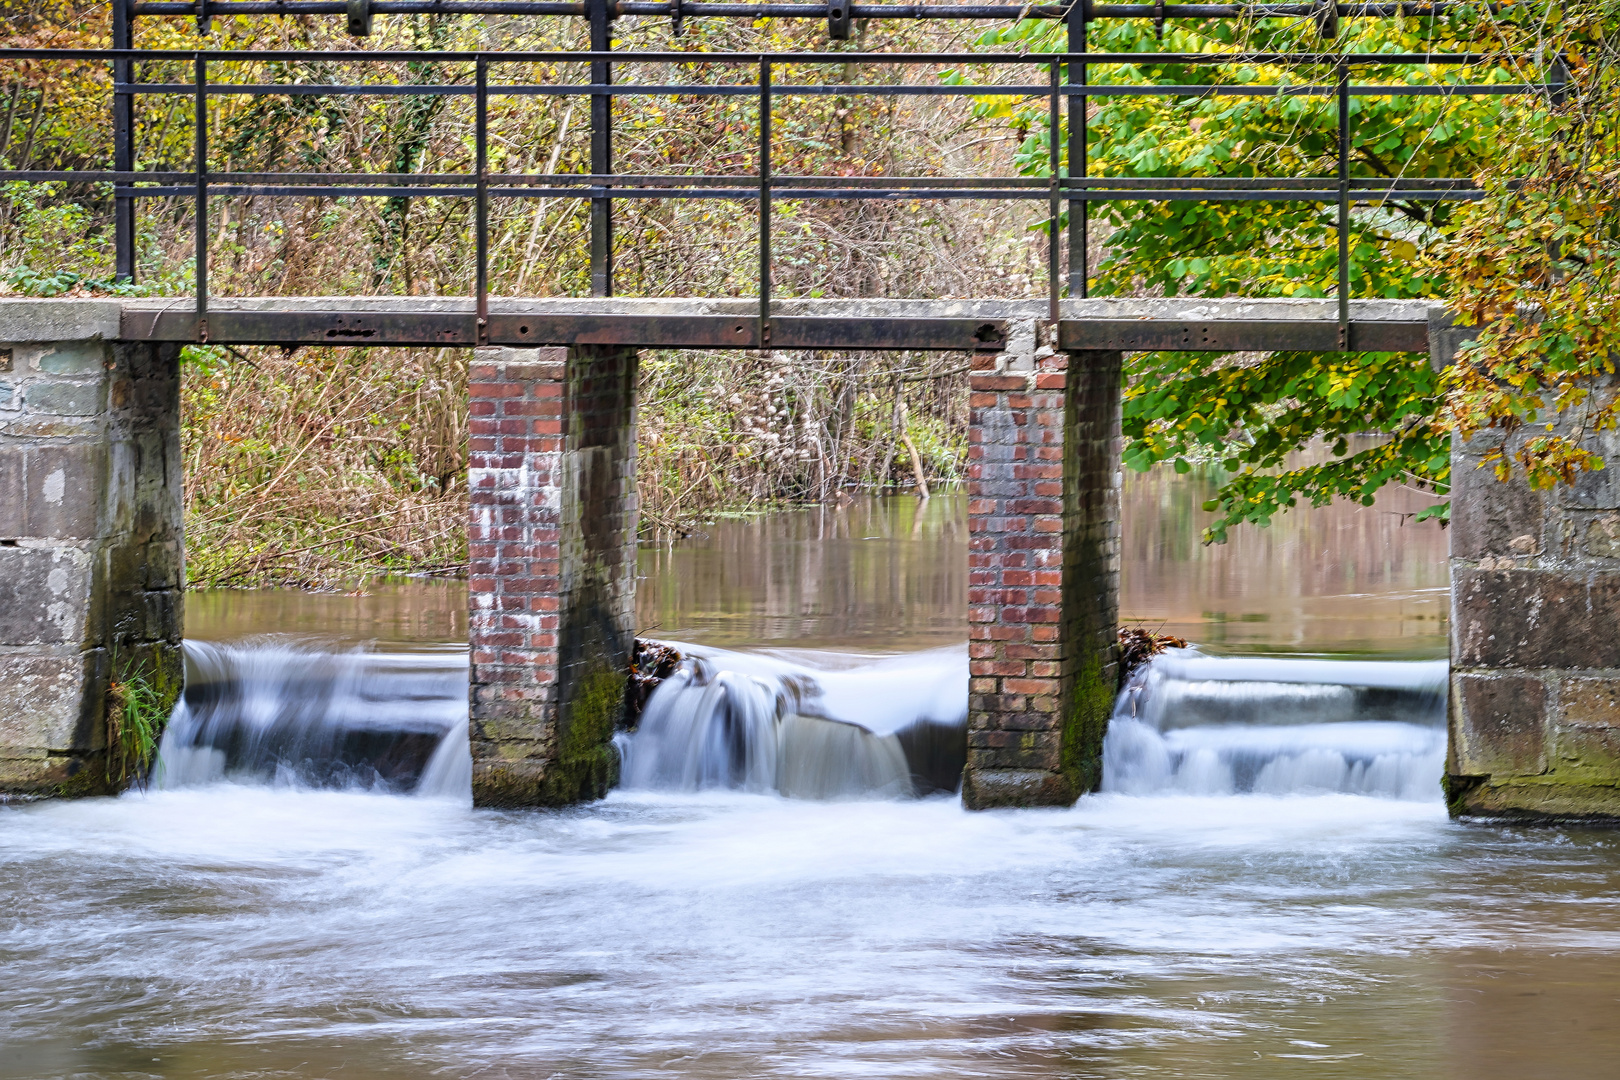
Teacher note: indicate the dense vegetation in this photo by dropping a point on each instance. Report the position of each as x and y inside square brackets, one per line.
[319, 464]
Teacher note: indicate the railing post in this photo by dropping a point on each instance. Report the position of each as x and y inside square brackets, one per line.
[1079, 153]
[1344, 204]
[601, 150]
[123, 103]
[481, 210]
[764, 204]
[1054, 120]
[200, 271]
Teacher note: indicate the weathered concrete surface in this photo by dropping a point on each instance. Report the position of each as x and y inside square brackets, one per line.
[1174, 308]
[1043, 557]
[1535, 639]
[90, 535]
[552, 574]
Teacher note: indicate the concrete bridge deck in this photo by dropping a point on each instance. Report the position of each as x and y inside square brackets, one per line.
[1225, 325]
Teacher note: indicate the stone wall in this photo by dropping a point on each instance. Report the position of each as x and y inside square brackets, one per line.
[552, 575]
[1535, 641]
[1043, 491]
[91, 553]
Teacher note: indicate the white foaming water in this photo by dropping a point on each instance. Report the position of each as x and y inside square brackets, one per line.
[296, 714]
[808, 725]
[1194, 724]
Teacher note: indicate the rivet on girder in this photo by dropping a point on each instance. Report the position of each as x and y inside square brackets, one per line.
[360, 18]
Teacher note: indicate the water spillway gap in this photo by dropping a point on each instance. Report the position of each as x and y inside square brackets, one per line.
[1188, 723]
[281, 711]
[812, 725]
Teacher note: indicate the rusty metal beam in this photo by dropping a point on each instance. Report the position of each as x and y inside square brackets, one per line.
[440, 328]
[1232, 335]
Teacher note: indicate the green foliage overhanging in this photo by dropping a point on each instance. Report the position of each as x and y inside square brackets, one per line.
[1254, 413]
[1536, 266]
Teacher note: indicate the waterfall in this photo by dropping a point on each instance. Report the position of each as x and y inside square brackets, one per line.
[807, 725]
[1207, 725]
[297, 714]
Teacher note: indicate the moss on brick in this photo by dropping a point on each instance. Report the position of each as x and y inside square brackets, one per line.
[1085, 723]
[586, 764]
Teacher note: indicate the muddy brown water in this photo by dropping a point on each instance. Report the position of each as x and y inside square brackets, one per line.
[256, 930]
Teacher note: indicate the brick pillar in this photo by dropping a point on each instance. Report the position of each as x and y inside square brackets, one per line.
[90, 540]
[1043, 561]
[551, 473]
[1535, 653]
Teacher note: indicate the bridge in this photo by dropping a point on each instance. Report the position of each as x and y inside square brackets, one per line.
[91, 539]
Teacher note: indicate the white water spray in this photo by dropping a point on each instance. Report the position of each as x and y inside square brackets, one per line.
[1194, 724]
[847, 727]
[298, 715]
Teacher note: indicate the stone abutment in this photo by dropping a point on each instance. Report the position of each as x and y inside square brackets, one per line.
[90, 540]
[1535, 639]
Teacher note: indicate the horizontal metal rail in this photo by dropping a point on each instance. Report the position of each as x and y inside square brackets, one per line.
[698, 9]
[693, 59]
[831, 90]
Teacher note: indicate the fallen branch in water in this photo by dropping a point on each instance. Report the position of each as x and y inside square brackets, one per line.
[1137, 646]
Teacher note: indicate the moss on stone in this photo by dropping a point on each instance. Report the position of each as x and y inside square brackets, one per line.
[1085, 723]
[586, 765]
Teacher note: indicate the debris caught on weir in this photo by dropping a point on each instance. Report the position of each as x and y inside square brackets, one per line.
[1137, 646]
[653, 663]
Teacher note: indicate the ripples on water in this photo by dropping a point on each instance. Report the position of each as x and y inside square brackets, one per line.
[251, 931]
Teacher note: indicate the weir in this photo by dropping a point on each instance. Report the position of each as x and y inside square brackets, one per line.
[91, 435]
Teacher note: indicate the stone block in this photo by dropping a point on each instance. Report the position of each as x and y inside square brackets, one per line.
[1499, 725]
[1589, 702]
[38, 320]
[1598, 490]
[45, 595]
[1497, 518]
[73, 358]
[66, 399]
[1588, 754]
[1533, 618]
[63, 485]
[13, 492]
[45, 704]
[992, 788]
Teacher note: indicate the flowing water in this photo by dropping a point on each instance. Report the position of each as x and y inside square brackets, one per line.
[1269, 886]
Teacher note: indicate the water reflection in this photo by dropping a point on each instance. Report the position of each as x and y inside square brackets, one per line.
[890, 575]
[880, 574]
[392, 611]
[1340, 578]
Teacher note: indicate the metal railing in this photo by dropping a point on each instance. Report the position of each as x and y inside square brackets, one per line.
[1067, 78]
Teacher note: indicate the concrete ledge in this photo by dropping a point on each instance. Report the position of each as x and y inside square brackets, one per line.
[991, 789]
[1475, 798]
[24, 319]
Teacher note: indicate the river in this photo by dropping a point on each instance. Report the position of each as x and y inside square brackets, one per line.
[264, 928]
